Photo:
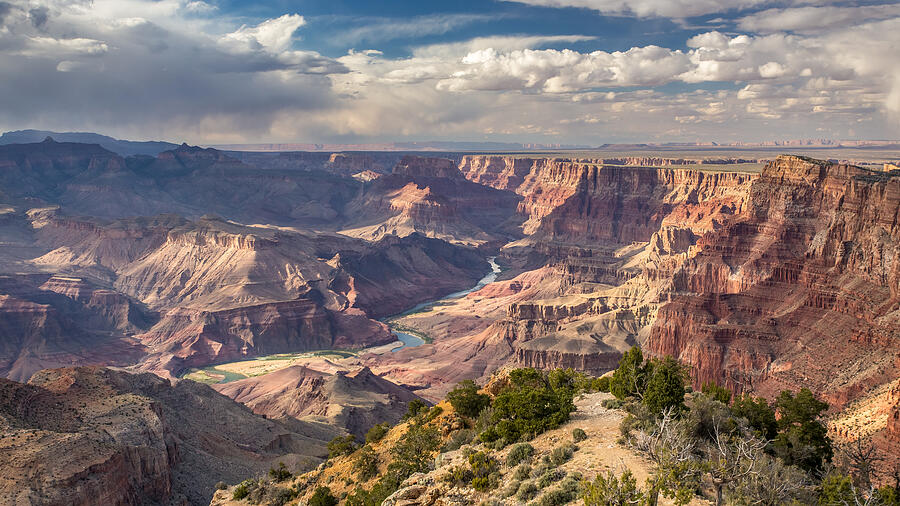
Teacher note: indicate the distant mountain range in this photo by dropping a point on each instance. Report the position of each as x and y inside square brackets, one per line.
[123, 148]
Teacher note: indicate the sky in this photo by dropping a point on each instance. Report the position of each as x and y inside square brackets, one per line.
[583, 72]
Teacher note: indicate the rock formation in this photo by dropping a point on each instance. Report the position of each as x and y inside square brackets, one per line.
[354, 401]
[96, 436]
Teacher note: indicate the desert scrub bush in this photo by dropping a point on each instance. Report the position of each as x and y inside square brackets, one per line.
[221, 485]
[566, 492]
[609, 490]
[526, 491]
[562, 454]
[578, 435]
[522, 472]
[458, 439]
[341, 445]
[414, 408]
[323, 497]
[413, 452]
[366, 464]
[242, 490]
[519, 453]
[279, 473]
[601, 384]
[377, 432]
[550, 477]
[431, 414]
[510, 489]
[611, 403]
[281, 497]
[484, 471]
[458, 476]
[466, 399]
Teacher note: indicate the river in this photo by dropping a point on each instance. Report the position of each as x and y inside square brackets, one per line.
[411, 340]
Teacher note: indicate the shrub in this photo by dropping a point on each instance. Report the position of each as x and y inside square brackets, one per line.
[519, 453]
[578, 435]
[759, 415]
[366, 464]
[414, 408]
[341, 445]
[483, 467]
[280, 473]
[510, 489]
[601, 384]
[458, 439]
[522, 472]
[323, 497]
[566, 492]
[466, 399]
[528, 406]
[609, 490]
[713, 390]
[242, 490]
[221, 485]
[550, 477]
[611, 403]
[412, 453]
[459, 475]
[377, 432]
[562, 454]
[526, 491]
[282, 497]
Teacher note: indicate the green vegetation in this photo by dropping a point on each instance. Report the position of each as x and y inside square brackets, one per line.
[323, 497]
[279, 473]
[578, 435]
[411, 454]
[658, 383]
[466, 400]
[414, 408]
[562, 454]
[531, 403]
[519, 453]
[567, 491]
[610, 490]
[527, 490]
[341, 445]
[485, 475]
[366, 463]
[242, 490]
[802, 439]
[377, 432]
[714, 391]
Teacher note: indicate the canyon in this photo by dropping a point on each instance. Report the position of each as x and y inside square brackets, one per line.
[760, 275]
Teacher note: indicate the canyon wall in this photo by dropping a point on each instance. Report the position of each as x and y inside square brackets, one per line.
[799, 290]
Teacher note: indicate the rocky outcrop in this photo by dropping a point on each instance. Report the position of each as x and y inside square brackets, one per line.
[808, 270]
[96, 436]
[53, 322]
[354, 401]
[187, 338]
[419, 167]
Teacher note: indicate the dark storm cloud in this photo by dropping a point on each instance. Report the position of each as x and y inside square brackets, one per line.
[39, 16]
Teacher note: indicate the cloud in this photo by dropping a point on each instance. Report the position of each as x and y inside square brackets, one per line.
[156, 69]
[273, 35]
[385, 29]
[815, 19]
[651, 8]
[555, 71]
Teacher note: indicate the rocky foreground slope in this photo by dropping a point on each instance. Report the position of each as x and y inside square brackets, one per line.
[91, 435]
